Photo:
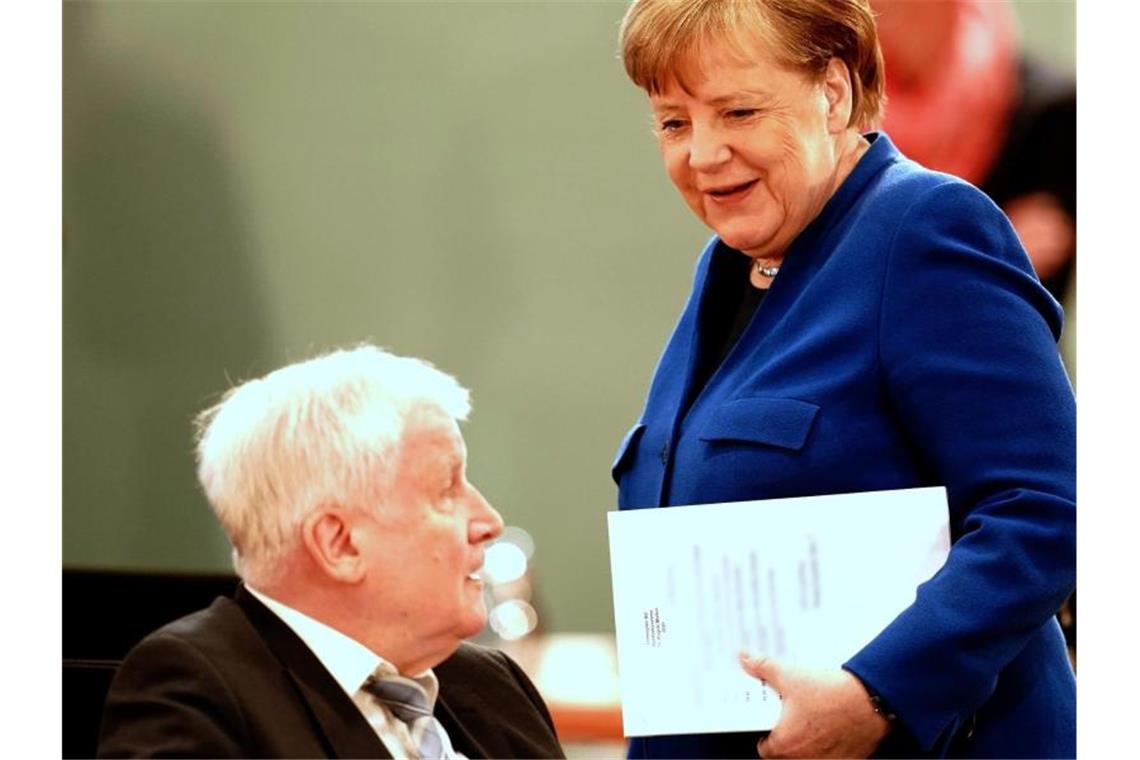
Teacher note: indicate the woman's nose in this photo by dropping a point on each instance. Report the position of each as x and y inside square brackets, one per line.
[707, 149]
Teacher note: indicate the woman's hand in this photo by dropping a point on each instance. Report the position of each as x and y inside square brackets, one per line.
[825, 713]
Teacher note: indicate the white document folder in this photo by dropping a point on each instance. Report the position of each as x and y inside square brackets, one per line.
[806, 580]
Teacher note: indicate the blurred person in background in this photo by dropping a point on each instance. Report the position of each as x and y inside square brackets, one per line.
[341, 483]
[858, 323]
[1015, 138]
[963, 98]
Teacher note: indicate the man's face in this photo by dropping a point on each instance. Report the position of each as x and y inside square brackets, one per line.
[426, 541]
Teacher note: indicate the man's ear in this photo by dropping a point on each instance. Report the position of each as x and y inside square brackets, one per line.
[837, 90]
[328, 538]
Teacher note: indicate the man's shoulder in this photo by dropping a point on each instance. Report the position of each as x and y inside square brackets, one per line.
[486, 671]
[217, 629]
[220, 637]
[209, 684]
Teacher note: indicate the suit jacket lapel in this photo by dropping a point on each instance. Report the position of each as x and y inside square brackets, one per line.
[344, 731]
[461, 738]
[347, 734]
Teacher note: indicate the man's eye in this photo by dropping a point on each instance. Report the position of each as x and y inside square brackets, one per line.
[455, 485]
[741, 113]
[671, 125]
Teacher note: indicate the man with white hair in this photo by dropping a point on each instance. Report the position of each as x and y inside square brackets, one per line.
[341, 483]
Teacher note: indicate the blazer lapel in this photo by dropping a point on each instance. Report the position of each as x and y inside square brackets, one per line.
[346, 732]
[343, 729]
[461, 738]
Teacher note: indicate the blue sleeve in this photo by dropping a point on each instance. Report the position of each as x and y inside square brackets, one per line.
[968, 350]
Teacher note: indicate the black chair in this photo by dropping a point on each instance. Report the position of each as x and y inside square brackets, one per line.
[85, 685]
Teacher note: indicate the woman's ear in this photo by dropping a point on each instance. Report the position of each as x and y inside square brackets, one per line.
[837, 90]
[327, 535]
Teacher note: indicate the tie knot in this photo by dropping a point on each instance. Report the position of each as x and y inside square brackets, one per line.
[404, 697]
[408, 701]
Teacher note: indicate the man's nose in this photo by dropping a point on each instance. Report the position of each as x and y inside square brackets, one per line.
[485, 522]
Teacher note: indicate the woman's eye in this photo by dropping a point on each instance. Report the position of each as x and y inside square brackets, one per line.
[671, 125]
[741, 113]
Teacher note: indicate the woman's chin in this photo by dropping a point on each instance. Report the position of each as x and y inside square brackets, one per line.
[749, 242]
[749, 234]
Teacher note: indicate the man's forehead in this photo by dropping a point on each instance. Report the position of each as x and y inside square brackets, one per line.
[429, 431]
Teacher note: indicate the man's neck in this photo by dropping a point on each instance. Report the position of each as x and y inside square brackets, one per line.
[410, 655]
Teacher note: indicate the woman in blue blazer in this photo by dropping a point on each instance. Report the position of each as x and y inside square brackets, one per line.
[858, 323]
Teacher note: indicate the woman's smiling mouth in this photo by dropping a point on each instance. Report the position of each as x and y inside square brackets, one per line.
[731, 193]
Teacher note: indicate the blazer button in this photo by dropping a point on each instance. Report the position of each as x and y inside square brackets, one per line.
[665, 453]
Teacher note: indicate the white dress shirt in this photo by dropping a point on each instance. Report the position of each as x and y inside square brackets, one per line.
[351, 663]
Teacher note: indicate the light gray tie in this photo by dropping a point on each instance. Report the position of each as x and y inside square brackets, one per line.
[408, 702]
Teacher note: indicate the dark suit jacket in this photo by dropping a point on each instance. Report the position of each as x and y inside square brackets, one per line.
[233, 680]
[906, 342]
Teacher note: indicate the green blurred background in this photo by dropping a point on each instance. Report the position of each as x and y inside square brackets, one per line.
[247, 184]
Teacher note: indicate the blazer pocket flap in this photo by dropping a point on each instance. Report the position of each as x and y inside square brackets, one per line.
[783, 422]
[627, 445]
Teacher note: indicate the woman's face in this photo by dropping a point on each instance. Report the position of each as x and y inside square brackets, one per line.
[752, 145]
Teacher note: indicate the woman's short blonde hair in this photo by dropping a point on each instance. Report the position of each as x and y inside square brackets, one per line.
[659, 37]
[321, 432]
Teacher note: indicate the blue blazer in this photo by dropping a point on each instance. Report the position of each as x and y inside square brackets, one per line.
[906, 342]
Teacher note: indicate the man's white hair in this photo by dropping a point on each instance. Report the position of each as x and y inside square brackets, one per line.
[323, 431]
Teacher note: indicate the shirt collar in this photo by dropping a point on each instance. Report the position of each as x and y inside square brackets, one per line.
[348, 661]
